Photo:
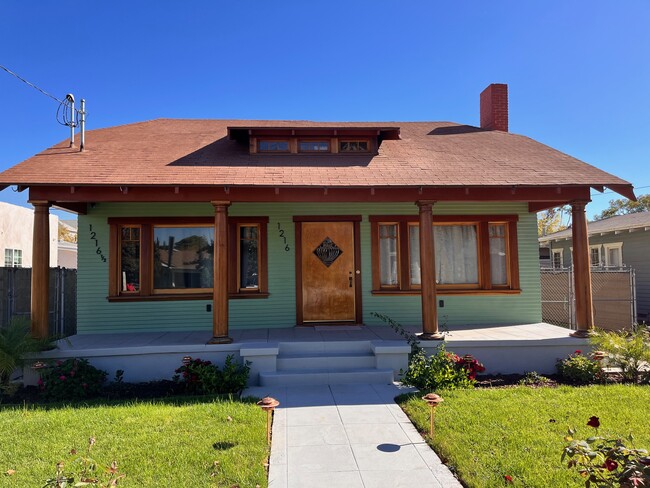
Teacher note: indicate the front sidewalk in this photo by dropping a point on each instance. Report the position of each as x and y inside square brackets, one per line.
[348, 435]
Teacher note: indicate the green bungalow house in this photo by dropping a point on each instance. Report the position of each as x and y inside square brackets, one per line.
[231, 229]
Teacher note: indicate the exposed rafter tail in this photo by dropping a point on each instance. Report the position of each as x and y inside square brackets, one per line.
[626, 190]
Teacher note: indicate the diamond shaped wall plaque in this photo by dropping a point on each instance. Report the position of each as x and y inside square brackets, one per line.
[328, 252]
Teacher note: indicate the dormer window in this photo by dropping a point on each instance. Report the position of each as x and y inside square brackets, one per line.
[314, 146]
[268, 145]
[313, 139]
[355, 146]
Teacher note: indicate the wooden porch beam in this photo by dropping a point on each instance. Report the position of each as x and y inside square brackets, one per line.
[220, 275]
[41, 269]
[90, 194]
[581, 271]
[428, 274]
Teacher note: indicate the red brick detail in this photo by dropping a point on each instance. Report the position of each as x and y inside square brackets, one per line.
[494, 107]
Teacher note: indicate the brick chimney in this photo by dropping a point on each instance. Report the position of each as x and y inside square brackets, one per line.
[494, 107]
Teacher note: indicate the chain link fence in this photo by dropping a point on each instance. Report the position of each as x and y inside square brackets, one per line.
[614, 297]
[16, 295]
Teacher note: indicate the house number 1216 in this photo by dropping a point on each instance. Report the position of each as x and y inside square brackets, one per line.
[98, 250]
[283, 237]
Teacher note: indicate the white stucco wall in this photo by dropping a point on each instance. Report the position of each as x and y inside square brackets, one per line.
[17, 229]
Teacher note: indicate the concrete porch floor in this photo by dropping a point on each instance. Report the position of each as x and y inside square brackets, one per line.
[458, 335]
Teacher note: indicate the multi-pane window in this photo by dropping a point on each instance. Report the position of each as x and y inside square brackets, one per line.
[557, 259]
[13, 258]
[594, 255]
[248, 257]
[314, 146]
[183, 258]
[354, 146]
[471, 253]
[388, 236]
[167, 257]
[130, 259]
[614, 254]
[269, 145]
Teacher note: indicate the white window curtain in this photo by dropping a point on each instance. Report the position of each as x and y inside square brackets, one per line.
[414, 248]
[498, 263]
[456, 254]
[388, 254]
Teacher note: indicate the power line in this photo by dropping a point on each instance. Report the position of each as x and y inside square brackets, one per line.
[31, 84]
[597, 194]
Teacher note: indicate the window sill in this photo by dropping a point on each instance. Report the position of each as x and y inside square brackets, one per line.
[238, 296]
[440, 292]
[181, 296]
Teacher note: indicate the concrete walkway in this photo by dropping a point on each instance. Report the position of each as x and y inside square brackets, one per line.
[351, 436]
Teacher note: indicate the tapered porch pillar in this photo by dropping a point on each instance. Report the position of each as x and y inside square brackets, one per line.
[220, 284]
[581, 271]
[428, 273]
[41, 270]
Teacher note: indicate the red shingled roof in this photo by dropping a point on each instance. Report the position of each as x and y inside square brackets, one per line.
[198, 152]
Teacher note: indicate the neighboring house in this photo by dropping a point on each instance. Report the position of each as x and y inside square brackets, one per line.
[618, 241]
[240, 224]
[67, 245]
[17, 233]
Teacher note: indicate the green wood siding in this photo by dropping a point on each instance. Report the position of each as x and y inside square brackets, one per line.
[96, 315]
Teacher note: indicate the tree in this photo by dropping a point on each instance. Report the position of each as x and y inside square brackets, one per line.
[623, 206]
[552, 220]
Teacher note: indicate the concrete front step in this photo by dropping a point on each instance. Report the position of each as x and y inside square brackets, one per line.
[329, 361]
[327, 377]
[325, 347]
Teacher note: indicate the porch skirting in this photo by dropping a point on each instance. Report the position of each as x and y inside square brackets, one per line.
[329, 354]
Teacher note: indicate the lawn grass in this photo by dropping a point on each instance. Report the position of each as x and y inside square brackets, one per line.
[485, 434]
[171, 442]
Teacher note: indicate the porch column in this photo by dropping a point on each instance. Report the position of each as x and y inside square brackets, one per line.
[41, 270]
[220, 284]
[581, 270]
[428, 273]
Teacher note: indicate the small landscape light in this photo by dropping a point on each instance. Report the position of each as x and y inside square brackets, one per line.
[268, 404]
[187, 360]
[39, 365]
[433, 401]
[598, 355]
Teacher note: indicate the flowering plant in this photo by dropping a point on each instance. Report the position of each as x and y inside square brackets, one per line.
[579, 369]
[607, 462]
[202, 377]
[72, 379]
[441, 370]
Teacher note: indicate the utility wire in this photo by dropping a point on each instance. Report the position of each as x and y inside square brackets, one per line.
[31, 84]
[597, 194]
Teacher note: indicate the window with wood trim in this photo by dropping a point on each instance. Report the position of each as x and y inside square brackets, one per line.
[173, 258]
[314, 146]
[354, 145]
[273, 145]
[248, 257]
[473, 254]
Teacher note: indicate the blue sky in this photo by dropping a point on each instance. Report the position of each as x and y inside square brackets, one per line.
[578, 72]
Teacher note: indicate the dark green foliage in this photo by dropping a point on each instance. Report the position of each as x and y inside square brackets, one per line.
[441, 370]
[15, 341]
[629, 351]
[72, 379]
[578, 369]
[200, 377]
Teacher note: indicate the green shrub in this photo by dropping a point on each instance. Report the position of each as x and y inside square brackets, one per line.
[533, 378]
[72, 379]
[200, 377]
[15, 341]
[441, 370]
[629, 351]
[579, 369]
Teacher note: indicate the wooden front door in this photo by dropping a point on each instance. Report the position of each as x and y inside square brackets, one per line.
[327, 278]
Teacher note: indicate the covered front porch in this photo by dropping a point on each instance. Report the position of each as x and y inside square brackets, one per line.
[317, 355]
